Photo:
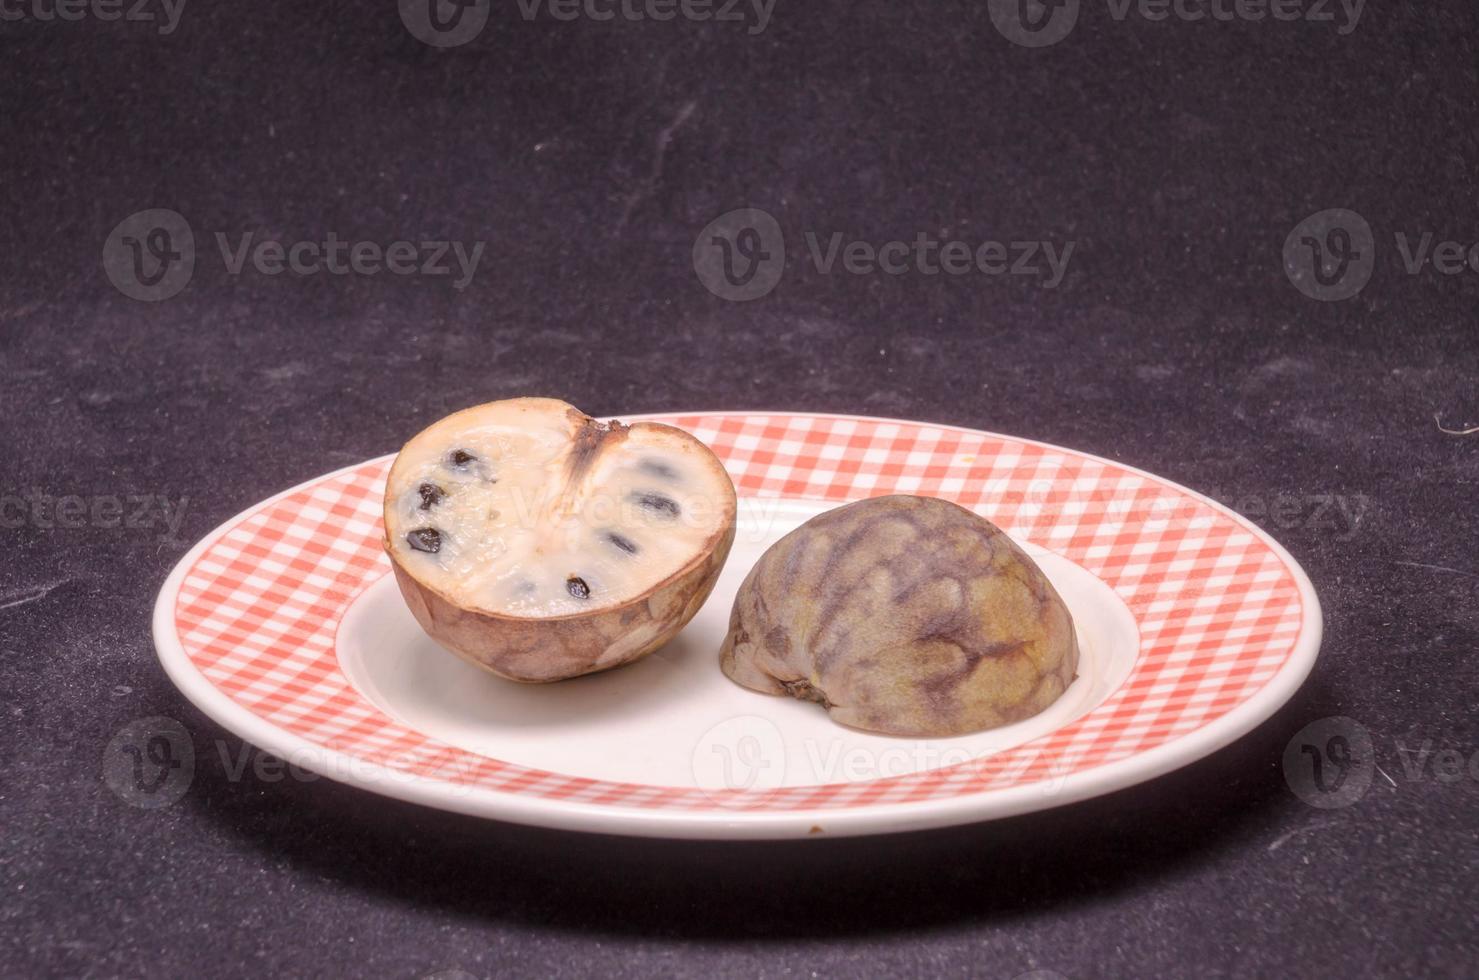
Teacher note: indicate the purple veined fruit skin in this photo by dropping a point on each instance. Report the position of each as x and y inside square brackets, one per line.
[906, 616]
[542, 649]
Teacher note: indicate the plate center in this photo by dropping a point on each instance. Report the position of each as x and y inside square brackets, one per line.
[673, 718]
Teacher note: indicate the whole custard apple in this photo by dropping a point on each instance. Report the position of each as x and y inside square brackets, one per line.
[905, 616]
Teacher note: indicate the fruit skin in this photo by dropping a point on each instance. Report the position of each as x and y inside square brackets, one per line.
[537, 651]
[905, 616]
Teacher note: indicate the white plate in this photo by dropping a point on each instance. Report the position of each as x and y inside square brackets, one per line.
[284, 626]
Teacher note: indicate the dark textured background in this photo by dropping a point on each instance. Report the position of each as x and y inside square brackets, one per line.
[1177, 156]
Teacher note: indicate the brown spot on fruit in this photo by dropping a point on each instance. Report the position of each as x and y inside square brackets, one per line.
[803, 691]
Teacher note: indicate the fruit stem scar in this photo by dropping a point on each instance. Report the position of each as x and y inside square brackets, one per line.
[591, 439]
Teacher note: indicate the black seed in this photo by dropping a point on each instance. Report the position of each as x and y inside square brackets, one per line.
[657, 468]
[431, 495]
[621, 541]
[576, 586]
[465, 462]
[427, 539]
[656, 502]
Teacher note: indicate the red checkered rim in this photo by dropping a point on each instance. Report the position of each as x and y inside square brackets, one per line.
[1218, 610]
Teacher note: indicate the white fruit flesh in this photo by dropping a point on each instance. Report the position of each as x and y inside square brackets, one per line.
[535, 510]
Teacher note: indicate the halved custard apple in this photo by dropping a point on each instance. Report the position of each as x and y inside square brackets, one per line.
[540, 544]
